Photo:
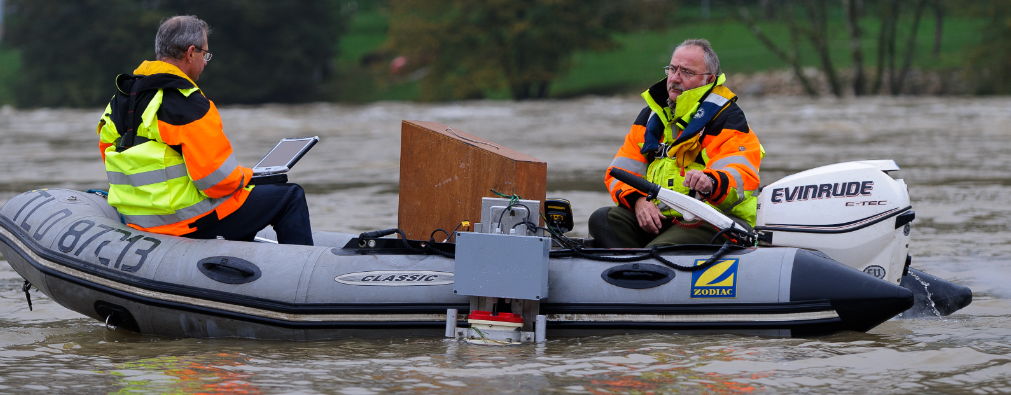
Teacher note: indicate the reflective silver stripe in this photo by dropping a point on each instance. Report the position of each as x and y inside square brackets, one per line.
[740, 200]
[217, 175]
[740, 187]
[767, 317]
[717, 99]
[629, 164]
[737, 178]
[736, 174]
[147, 177]
[185, 213]
[738, 160]
[613, 183]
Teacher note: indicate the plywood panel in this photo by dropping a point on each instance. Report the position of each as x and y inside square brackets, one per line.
[444, 173]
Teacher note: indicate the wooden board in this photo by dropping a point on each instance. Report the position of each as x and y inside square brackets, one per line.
[445, 172]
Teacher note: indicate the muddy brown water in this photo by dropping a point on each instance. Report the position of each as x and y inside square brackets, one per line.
[954, 154]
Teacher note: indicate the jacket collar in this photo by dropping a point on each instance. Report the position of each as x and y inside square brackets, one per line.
[150, 67]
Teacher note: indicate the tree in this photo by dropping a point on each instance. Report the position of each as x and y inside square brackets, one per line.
[265, 51]
[791, 57]
[469, 47]
[71, 51]
[987, 66]
[852, 9]
[890, 12]
[817, 34]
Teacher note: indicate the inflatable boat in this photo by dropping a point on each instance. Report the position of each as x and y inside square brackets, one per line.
[842, 268]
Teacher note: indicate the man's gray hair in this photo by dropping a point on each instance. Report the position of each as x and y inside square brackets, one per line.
[176, 34]
[712, 61]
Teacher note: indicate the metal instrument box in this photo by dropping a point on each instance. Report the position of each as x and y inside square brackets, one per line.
[501, 266]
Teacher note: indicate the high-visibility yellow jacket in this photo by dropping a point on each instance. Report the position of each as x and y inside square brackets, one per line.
[722, 146]
[168, 161]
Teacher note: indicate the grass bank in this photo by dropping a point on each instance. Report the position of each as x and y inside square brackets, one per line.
[638, 60]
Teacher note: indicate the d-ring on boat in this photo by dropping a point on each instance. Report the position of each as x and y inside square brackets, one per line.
[832, 255]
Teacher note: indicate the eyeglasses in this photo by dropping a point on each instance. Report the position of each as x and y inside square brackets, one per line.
[683, 71]
[207, 55]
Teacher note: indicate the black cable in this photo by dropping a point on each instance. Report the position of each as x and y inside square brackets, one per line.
[721, 233]
[453, 233]
[654, 253]
[432, 236]
[744, 235]
[531, 227]
[509, 207]
[563, 241]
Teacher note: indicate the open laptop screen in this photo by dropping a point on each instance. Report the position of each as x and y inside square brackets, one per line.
[285, 154]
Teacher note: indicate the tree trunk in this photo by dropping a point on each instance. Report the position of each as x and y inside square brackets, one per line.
[853, 27]
[520, 90]
[542, 89]
[910, 47]
[886, 40]
[938, 26]
[818, 35]
[793, 58]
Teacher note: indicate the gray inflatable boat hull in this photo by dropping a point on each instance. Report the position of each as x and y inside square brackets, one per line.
[73, 248]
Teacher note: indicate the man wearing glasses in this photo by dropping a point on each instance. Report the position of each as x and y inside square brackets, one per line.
[170, 166]
[691, 136]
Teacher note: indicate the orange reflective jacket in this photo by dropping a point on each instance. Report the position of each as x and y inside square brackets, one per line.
[180, 168]
[730, 153]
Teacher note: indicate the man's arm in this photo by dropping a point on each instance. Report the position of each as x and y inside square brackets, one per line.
[106, 137]
[629, 159]
[735, 155]
[193, 124]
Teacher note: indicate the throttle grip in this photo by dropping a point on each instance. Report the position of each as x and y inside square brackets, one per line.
[649, 188]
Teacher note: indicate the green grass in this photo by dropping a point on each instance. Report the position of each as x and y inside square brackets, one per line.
[10, 66]
[642, 55]
[638, 60]
[366, 34]
[358, 83]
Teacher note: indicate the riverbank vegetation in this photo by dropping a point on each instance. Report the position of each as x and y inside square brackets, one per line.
[369, 50]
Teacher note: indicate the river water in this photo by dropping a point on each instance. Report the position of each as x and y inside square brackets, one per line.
[954, 154]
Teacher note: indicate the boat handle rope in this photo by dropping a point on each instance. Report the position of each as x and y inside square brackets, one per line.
[25, 287]
[428, 249]
[111, 327]
[654, 253]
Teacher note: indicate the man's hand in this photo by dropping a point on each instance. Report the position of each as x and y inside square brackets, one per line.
[699, 181]
[649, 215]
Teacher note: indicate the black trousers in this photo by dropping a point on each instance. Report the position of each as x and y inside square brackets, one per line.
[279, 205]
[617, 227]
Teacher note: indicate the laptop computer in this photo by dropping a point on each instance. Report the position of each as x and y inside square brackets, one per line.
[274, 166]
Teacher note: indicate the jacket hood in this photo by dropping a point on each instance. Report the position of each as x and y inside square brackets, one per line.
[153, 75]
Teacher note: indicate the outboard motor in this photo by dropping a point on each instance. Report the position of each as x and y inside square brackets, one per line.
[854, 212]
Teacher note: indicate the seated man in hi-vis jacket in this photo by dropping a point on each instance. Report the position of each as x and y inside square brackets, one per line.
[691, 136]
[170, 166]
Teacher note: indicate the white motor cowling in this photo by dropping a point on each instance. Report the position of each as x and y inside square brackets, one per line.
[854, 212]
